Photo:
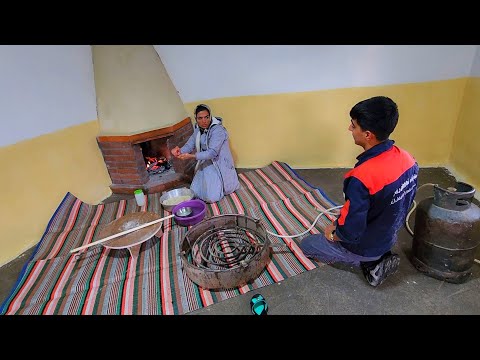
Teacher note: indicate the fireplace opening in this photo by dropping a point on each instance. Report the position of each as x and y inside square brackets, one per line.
[157, 157]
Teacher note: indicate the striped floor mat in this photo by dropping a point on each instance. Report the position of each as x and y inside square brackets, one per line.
[104, 281]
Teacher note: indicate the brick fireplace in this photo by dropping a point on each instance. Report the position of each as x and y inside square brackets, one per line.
[129, 159]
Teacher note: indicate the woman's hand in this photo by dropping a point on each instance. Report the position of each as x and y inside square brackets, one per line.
[186, 156]
[176, 151]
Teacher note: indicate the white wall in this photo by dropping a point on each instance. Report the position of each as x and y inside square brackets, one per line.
[44, 88]
[476, 64]
[215, 71]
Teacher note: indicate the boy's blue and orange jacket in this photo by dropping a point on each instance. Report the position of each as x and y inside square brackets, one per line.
[378, 191]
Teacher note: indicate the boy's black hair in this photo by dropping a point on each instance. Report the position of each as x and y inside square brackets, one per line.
[378, 114]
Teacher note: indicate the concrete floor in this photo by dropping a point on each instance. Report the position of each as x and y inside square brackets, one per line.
[340, 289]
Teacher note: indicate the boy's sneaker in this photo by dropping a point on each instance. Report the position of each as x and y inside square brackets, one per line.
[388, 265]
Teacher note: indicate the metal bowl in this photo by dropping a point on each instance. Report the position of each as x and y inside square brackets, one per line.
[181, 192]
[183, 211]
[198, 210]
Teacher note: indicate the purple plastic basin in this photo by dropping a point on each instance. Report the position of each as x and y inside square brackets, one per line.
[199, 208]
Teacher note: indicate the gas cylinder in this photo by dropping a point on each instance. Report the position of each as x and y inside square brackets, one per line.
[446, 233]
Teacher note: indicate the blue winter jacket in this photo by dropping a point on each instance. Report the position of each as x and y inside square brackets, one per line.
[379, 192]
[216, 175]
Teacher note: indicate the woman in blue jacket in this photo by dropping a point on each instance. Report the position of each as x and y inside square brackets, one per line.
[215, 173]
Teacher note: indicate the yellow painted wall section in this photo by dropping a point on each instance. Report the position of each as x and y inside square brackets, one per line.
[36, 176]
[465, 154]
[134, 92]
[310, 129]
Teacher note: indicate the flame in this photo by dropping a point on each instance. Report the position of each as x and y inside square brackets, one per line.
[154, 163]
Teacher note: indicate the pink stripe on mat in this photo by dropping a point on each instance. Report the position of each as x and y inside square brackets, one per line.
[252, 188]
[167, 307]
[29, 283]
[57, 291]
[275, 187]
[95, 283]
[281, 168]
[128, 292]
[71, 220]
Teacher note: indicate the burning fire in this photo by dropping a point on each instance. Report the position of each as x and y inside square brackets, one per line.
[157, 165]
